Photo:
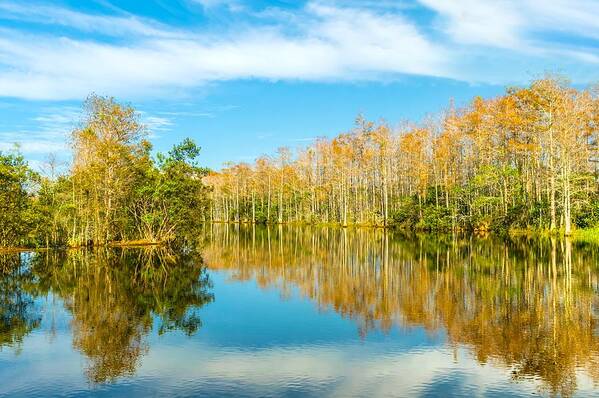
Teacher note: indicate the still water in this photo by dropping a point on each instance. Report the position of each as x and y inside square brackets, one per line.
[290, 311]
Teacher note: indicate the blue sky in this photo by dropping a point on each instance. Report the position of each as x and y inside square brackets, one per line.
[245, 77]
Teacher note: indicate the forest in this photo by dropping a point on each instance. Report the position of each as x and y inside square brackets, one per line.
[525, 160]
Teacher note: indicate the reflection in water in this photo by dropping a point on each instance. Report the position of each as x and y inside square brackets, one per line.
[530, 306]
[115, 298]
[18, 316]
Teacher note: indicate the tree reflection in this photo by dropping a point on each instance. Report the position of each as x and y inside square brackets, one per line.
[18, 316]
[115, 296]
[529, 305]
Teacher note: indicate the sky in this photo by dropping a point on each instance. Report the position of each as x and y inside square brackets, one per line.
[243, 78]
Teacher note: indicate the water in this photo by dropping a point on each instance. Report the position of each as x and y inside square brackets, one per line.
[291, 311]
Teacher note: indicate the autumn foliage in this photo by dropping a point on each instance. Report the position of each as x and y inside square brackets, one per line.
[526, 159]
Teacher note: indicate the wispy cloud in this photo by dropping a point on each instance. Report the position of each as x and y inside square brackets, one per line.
[21, 142]
[479, 22]
[233, 5]
[189, 114]
[156, 124]
[264, 136]
[47, 133]
[327, 44]
[516, 24]
[112, 25]
[321, 41]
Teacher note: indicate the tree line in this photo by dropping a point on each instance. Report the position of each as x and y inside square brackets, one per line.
[114, 191]
[527, 159]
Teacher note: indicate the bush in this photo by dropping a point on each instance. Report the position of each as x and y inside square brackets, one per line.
[587, 216]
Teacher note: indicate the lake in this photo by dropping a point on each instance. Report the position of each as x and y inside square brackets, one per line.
[304, 311]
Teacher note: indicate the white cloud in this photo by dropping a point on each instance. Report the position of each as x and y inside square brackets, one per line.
[157, 123]
[479, 22]
[45, 134]
[231, 5]
[515, 24]
[117, 25]
[213, 3]
[206, 114]
[324, 41]
[29, 146]
[327, 45]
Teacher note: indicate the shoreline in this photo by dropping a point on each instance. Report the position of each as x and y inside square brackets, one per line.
[583, 235]
[118, 244]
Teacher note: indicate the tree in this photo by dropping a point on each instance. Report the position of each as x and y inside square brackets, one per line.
[16, 190]
[172, 199]
[109, 156]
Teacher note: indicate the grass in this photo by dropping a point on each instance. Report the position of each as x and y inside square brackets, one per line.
[127, 243]
[590, 235]
[6, 250]
[133, 243]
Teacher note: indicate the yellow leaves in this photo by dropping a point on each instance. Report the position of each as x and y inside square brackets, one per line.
[507, 115]
[112, 121]
[474, 117]
[534, 131]
[523, 147]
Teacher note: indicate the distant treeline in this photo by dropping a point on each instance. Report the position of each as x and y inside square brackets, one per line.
[114, 191]
[527, 159]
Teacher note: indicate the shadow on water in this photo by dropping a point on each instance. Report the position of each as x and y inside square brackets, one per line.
[115, 297]
[527, 305]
